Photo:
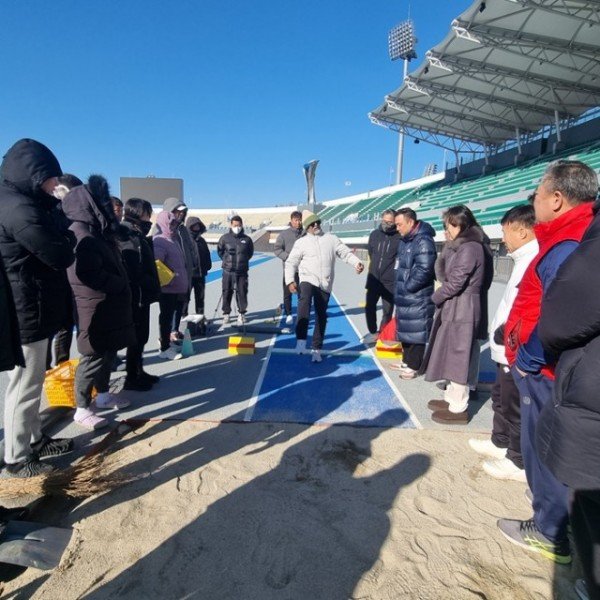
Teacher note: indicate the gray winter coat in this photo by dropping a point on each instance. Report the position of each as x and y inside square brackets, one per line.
[462, 269]
[285, 242]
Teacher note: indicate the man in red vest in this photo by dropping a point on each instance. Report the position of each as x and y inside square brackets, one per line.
[563, 210]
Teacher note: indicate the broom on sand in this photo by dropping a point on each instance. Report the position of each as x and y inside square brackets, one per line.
[93, 474]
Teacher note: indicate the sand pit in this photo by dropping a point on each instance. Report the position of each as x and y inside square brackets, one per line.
[265, 511]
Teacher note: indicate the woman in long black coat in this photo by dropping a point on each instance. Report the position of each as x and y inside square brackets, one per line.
[465, 269]
[102, 295]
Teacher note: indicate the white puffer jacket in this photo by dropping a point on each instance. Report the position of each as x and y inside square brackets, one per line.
[313, 257]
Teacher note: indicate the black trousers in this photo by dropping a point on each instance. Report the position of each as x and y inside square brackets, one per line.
[287, 295]
[506, 427]
[412, 355]
[134, 360]
[585, 524]
[308, 293]
[374, 294]
[198, 286]
[168, 303]
[238, 282]
[93, 370]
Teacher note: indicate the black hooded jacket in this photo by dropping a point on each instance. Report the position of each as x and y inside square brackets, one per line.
[35, 252]
[205, 264]
[11, 353]
[382, 248]
[98, 277]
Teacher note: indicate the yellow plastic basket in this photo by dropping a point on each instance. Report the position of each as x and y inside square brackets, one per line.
[59, 384]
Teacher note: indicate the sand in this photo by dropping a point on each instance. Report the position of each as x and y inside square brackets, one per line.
[267, 511]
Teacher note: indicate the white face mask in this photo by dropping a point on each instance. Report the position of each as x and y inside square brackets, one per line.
[60, 191]
[316, 230]
[236, 230]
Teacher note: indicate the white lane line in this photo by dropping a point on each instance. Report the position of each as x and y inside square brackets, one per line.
[256, 392]
[397, 393]
[325, 352]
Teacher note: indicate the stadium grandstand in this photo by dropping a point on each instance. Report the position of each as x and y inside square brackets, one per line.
[513, 86]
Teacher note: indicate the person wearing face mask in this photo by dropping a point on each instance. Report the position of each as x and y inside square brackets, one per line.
[382, 248]
[196, 228]
[465, 269]
[283, 246]
[140, 265]
[415, 275]
[64, 338]
[168, 250]
[235, 249]
[102, 295]
[313, 257]
[190, 253]
[36, 254]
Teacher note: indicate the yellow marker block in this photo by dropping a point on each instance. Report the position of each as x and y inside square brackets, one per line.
[388, 350]
[241, 345]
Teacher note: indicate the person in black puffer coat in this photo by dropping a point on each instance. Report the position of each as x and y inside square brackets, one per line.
[415, 274]
[102, 295]
[382, 248]
[138, 258]
[235, 249]
[11, 353]
[35, 255]
[568, 429]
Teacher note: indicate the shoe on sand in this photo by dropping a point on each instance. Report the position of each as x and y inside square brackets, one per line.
[487, 448]
[528, 536]
[504, 468]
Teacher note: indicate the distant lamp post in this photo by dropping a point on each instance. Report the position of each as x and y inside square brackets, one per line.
[401, 45]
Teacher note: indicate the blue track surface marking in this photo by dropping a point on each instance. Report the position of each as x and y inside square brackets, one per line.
[343, 388]
[215, 274]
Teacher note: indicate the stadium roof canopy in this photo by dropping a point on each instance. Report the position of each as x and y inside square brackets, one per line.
[506, 69]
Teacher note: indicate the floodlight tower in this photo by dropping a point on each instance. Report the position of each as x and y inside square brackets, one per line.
[401, 45]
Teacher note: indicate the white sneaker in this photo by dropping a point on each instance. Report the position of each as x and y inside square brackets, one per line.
[370, 338]
[504, 468]
[407, 373]
[241, 319]
[170, 354]
[316, 356]
[86, 418]
[108, 400]
[289, 320]
[487, 448]
[300, 347]
[225, 319]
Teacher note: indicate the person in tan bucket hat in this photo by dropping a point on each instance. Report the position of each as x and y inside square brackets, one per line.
[313, 258]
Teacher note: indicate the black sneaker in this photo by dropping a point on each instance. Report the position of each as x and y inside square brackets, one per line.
[28, 468]
[147, 377]
[528, 536]
[137, 385]
[48, 446]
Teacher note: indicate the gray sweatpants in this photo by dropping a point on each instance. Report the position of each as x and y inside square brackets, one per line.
[22, 424]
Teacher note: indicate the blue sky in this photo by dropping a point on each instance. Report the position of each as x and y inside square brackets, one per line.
[233, 97]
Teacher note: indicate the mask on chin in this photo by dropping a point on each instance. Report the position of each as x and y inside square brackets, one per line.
[60, 191]
[145, 227]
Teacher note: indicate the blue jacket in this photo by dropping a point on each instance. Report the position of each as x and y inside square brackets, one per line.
[414, 285]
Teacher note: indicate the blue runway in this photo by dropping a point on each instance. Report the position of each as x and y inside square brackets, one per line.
[346, 388]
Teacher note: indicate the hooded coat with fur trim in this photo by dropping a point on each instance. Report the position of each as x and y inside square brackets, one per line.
[466, 273]
[98, 277]
[34, 250]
